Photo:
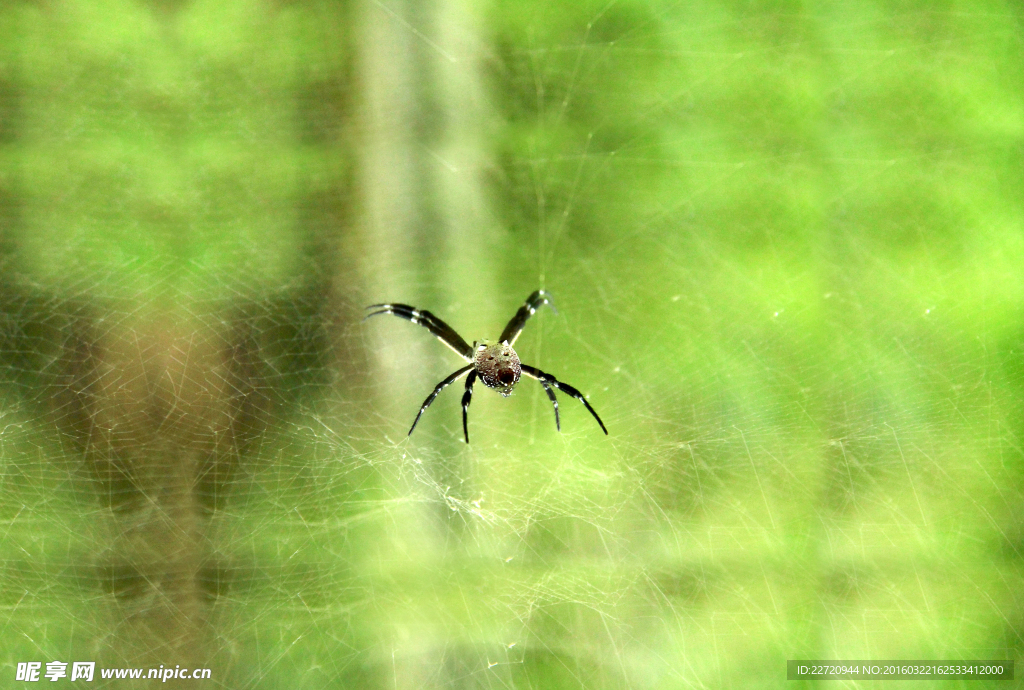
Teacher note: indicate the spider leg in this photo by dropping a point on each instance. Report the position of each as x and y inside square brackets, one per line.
[554, 401]
[467, 397]
[529, 308]
[437, 389]
[549, 380]
[421, 317]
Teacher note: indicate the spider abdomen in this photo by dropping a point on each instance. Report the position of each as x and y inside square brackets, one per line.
[498, 366]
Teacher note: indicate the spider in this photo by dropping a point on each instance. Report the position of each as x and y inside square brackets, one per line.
[495, 362]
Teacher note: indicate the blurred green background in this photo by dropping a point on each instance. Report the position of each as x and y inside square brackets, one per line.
[785, 241]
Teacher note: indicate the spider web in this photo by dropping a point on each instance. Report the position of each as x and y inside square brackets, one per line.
[784, 245]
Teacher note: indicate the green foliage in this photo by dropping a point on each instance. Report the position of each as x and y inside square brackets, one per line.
[785, 244]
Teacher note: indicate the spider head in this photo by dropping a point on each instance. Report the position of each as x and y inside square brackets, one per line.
[498, 366]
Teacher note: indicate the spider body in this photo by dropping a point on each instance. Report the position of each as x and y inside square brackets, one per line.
[498, 366]
[495, 363]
